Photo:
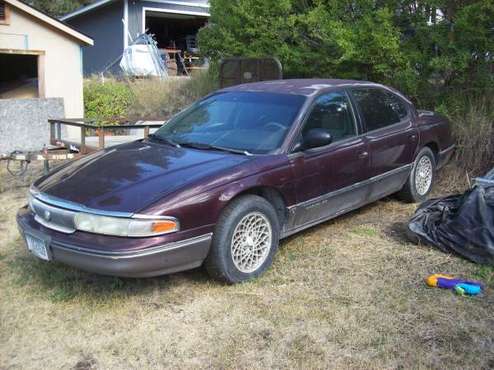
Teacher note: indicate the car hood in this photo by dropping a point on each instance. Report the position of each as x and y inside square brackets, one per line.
[129, 177]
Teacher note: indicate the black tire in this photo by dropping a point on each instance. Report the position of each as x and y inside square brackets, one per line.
[409, 192]
[219, 263]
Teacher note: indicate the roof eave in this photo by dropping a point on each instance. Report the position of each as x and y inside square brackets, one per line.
[85, 9]
[55, 23]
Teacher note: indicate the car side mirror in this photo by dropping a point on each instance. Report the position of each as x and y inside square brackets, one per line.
[316, 137]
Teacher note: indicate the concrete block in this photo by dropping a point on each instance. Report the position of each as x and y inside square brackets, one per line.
[24, 123]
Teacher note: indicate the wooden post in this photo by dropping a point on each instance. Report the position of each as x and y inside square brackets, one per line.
[59, 131]
[52, 133]
[101, 138]
[83, 141]
[146, 132]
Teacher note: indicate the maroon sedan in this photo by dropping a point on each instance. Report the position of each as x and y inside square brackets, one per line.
[223, 181]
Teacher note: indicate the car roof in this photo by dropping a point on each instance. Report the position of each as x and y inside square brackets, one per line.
[306, 87]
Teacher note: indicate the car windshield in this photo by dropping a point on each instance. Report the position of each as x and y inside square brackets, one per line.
[255, 122]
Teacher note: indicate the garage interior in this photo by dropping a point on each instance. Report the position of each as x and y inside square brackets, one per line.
[176, 34]
[173, 30]
[19, 76]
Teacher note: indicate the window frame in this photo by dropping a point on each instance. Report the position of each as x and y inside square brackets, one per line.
[365, 129]
[6, 20]
[308, 111]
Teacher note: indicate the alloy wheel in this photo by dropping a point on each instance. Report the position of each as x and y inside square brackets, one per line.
[251, 242]
[423, 175]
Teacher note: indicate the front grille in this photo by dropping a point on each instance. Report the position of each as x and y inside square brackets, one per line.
[55, 218]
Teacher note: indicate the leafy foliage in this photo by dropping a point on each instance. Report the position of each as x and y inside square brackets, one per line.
[58, 8]
[410, 44]
[106, 102]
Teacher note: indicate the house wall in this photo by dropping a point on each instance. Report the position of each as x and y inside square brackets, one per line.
[104, 25]
[62, 59]
[136, 7]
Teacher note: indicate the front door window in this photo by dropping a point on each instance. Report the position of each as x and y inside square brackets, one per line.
[332, 112]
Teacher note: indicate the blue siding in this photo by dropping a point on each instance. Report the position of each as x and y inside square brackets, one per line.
[105, 27]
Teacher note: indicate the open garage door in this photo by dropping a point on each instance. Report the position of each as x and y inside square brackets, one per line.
[173, 30]
[176, 35]
[21, 75]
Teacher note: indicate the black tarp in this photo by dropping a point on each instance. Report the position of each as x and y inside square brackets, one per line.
[462, 224]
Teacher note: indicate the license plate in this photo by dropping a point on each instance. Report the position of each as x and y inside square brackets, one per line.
[37, 247]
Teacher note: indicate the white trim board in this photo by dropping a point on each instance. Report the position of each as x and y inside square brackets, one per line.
[184, 3]
[125, 21]
[85, 9]
[167, 11]
[99, 3]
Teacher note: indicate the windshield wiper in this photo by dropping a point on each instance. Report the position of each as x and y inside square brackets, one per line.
[164, 140]
[205, 146]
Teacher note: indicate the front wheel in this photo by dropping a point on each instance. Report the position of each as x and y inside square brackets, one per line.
[245, 240]
[419, 184]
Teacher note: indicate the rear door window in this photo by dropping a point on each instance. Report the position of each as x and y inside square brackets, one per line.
[379, 108]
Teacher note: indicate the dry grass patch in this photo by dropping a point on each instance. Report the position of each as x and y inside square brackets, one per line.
[346, 294]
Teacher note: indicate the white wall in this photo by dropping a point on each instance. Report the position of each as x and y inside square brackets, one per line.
[62, 60]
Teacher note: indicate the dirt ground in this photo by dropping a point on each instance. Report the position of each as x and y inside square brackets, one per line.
[346, 294]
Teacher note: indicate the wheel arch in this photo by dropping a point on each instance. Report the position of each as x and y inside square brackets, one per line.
[272, 195]
[432, 145]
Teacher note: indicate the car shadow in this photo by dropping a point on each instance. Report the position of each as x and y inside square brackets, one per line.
[398, 231]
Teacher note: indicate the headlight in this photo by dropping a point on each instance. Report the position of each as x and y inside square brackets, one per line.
[131, 227]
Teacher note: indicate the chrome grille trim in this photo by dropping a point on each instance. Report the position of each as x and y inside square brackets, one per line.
[68, 205]
[53, 217]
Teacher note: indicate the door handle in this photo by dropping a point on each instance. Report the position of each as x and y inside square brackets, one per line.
[363, 155]
[413, 137]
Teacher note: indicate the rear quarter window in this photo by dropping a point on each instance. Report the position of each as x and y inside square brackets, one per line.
[379, 108]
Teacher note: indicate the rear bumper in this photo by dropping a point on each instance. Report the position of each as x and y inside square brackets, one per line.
[158, 260]
[445, 155]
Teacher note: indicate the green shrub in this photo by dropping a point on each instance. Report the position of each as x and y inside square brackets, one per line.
[106, 101]
[111, 101]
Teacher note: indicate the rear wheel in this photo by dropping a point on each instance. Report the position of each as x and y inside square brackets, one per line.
[245, 240]
[421, 179]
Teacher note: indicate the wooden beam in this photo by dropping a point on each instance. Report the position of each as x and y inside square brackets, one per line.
[82, 148]
[41, 76]
[22, 51]
[101, 138]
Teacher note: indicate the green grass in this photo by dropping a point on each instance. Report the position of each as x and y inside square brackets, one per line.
[485, 274]
[365, 231]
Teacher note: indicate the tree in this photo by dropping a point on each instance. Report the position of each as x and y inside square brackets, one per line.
[405, 43]
[57, 8]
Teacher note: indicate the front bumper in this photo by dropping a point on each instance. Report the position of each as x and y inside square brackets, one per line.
[151, 261]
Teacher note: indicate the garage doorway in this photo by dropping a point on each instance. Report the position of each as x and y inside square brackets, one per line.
[174, 30]
[176, 35]
[21, 74]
